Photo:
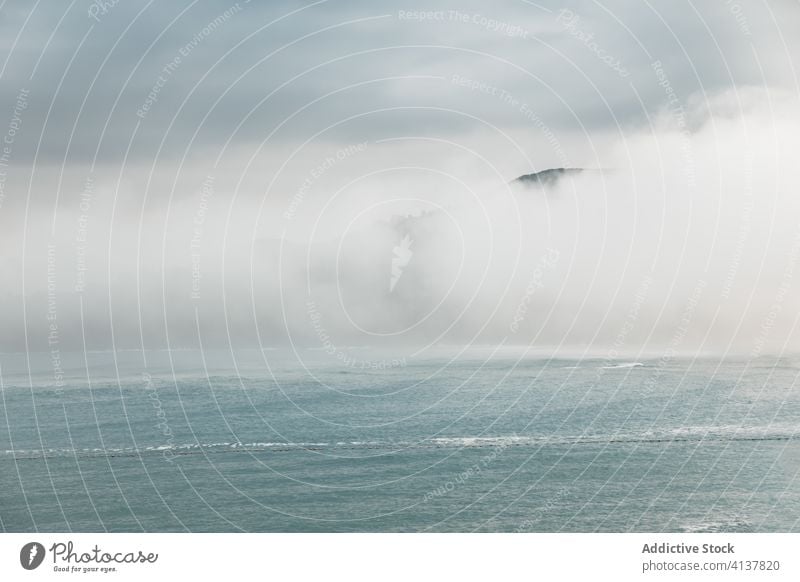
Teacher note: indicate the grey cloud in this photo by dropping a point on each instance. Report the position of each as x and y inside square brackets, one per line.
[574, 86]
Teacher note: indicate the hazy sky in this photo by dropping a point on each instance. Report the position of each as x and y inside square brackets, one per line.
[266, 60]
[133, 128]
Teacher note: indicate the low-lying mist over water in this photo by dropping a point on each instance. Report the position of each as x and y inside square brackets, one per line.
[681, 234]
[240, 190]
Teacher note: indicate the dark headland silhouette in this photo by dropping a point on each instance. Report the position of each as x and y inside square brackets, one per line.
[552, 175]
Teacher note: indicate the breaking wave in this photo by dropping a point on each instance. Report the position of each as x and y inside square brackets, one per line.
[697, 434]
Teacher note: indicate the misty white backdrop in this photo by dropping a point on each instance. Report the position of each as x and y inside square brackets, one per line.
[263, 196]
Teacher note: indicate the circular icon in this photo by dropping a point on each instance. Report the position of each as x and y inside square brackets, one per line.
[31, 555]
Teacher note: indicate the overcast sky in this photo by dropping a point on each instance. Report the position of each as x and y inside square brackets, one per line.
[266, 60]
[143, 101]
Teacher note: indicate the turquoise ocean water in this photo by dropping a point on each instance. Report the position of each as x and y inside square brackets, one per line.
[478, 441]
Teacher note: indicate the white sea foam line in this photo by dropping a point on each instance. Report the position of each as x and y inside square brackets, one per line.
[726, 433]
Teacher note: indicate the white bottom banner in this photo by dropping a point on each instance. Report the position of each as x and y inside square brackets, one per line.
[402, 557]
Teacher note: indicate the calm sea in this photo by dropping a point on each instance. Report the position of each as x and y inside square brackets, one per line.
[478, 441]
